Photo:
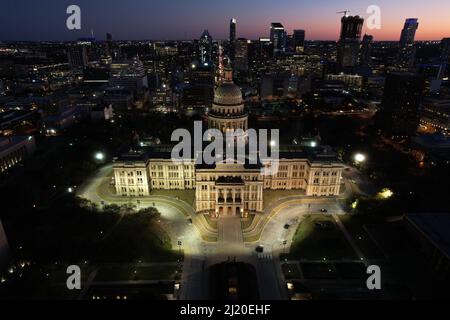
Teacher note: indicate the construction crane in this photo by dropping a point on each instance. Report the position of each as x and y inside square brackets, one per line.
[346, 12]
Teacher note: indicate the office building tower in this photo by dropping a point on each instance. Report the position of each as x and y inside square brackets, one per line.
[445, 49]
[77, 56]
[278, 36]
[444, 59]
[399, 113]
[366, 50]
[4, 247]
[109, 44]
[205, 46]
[233, 30]
[298, 40]
[409, 32]
[407, 53]
[348, 45]
[232, 38]
[199, 93]
[274, 86]
[129, 74]
[241, 55]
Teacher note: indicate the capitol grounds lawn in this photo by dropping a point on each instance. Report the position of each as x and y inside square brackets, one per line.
[290, 271]
[357, 229]
[74, 231]
[272, 196]
[138, 273]
[185, 195]
[247, 222]
[212, 222]
[312, 243]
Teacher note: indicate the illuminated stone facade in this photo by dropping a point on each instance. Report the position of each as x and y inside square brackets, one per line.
[229, 187]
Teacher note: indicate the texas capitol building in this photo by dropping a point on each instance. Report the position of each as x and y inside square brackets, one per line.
[228, 188]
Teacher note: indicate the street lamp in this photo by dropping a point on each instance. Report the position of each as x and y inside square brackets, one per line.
[100, 156]
[359, 158]
[386, 193]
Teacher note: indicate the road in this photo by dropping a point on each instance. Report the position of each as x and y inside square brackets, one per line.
[360, 183]
[199, 254]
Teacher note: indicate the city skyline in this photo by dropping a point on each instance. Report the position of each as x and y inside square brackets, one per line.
[149, 20]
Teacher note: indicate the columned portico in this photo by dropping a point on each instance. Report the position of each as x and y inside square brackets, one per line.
[229, 200]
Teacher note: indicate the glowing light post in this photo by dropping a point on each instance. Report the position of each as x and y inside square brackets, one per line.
[359, 160]
[385, 194]
[99, 156]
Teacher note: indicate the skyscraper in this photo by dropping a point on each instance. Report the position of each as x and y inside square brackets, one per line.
[278, 36]
[241, 55]
[232, 38]
[408, 33]
[205, 45]
[407, 53]
[348, 45]
[233, 30]
[445, 58]
[109, 43]
[399, 113]
[366, 50]
[298, 40]
[4, 247]
[129, 74]
[77, 55]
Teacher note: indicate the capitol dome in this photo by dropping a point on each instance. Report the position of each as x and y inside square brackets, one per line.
[228, 94]
[227, 112]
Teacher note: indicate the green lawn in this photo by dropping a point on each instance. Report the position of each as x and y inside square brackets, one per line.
[136, 273]
[290, 271]
[312, 243]
[185, 195]
[138, 238]
[354, 226]
[212, 222]
[318, 271]
[43, 282]
[247, 222]
[350, 270]
[271, 196]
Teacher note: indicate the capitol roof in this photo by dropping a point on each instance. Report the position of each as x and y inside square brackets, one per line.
[228, 94]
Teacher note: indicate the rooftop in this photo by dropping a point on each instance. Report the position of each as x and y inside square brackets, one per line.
[435, 226]
[8, 142]
[321, 153]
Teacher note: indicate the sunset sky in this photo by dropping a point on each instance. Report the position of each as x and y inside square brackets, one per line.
[186, 19]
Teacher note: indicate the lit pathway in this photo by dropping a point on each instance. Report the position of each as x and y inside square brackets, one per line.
[350, 239]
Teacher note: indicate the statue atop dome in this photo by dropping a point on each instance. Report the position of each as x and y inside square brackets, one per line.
[227, 70]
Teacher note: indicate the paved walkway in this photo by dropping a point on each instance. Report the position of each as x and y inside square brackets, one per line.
[350, 239]
[231, 245]
[200, 254]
